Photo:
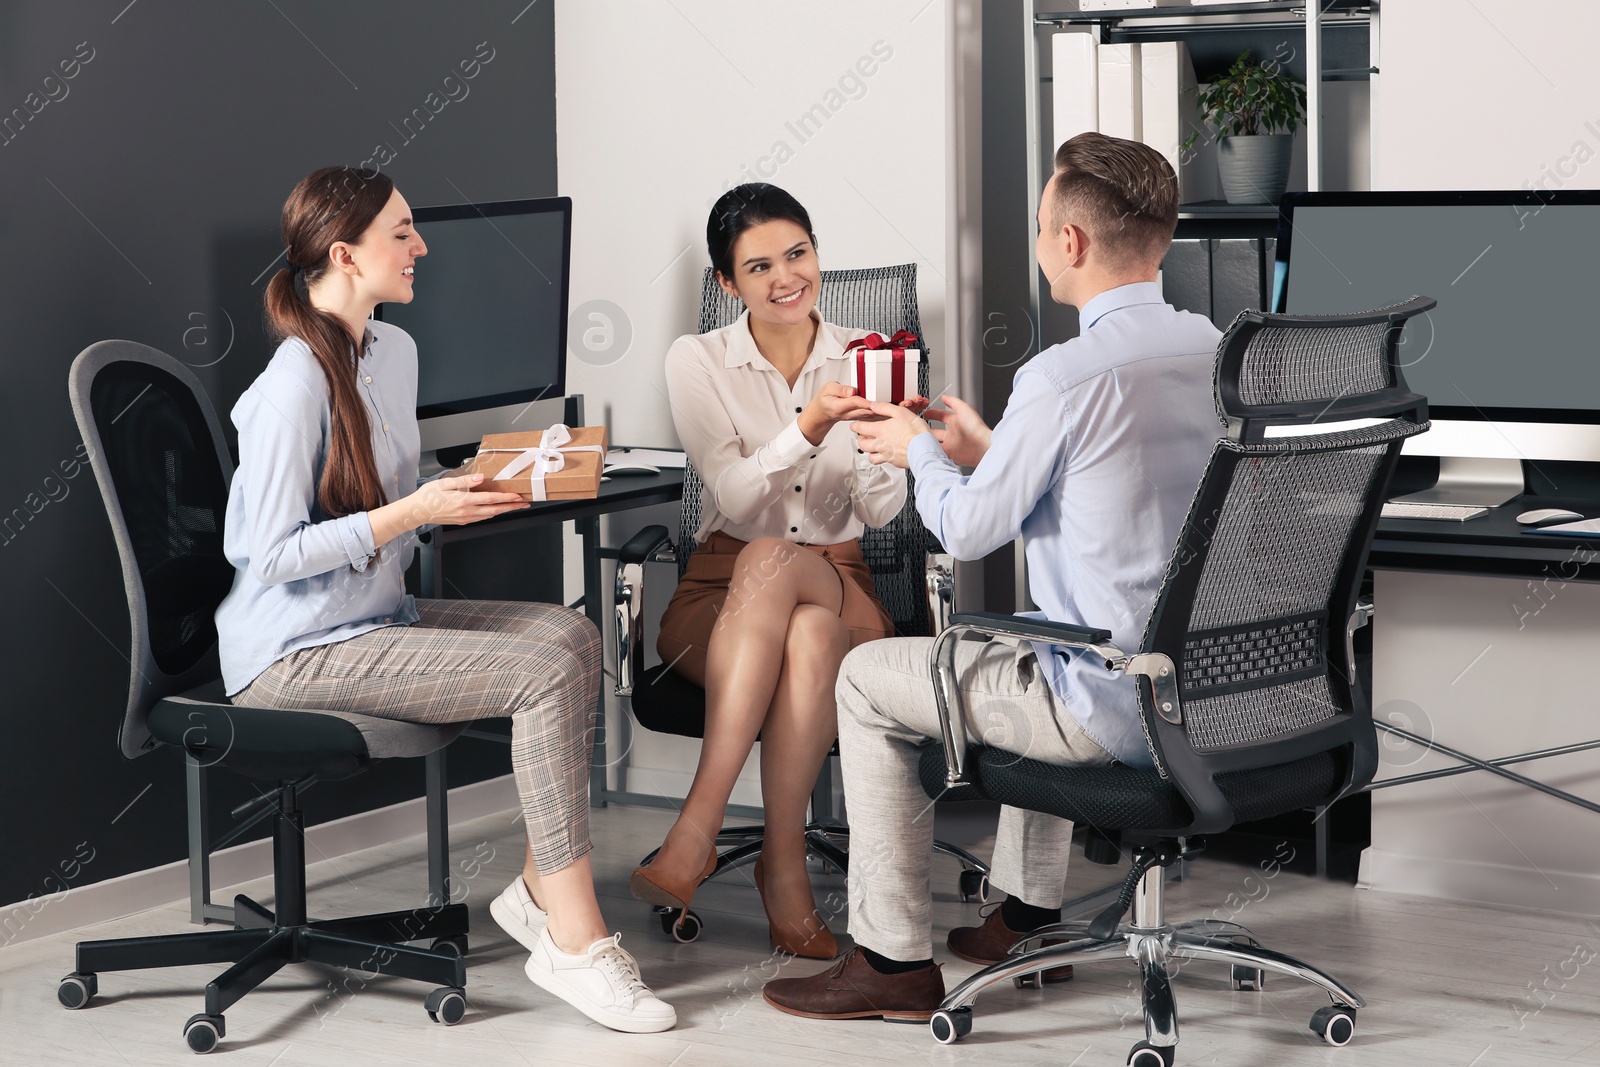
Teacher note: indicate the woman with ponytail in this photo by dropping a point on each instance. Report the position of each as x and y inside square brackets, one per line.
[321, 526]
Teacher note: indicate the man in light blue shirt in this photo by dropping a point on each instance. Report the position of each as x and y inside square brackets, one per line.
[1094, 464]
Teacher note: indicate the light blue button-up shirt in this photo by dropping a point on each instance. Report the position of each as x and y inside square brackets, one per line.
[1094, 464]
[303, 578]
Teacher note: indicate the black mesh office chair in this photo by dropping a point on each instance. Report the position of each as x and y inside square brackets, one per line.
[160, 459]
[910, 571]
[1246, 675]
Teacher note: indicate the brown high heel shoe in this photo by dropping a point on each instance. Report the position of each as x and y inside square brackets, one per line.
[652, 888]
[820, 945]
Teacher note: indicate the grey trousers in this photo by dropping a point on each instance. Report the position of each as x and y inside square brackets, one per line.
[886, 714]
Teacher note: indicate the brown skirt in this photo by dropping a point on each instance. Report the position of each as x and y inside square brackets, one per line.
[687, 623]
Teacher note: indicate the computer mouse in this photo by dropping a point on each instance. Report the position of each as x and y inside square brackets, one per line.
[632, 470]
[1545, 516]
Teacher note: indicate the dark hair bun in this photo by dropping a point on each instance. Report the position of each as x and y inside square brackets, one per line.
[745, 206]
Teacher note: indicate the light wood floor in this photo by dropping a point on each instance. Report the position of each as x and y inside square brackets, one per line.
[1446, 984]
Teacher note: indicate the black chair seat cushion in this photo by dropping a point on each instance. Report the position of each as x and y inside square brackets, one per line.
[668, 703]
[1123, 798]
[278, 745]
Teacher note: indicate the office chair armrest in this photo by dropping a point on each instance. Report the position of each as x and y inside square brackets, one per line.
[1361, 616]
[998, 624]
[649, 545]
[644, 546]
[942, 663]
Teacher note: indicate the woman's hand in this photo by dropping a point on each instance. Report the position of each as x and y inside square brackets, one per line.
[836, 402]
[965, 437]
[453, 501]
[448, 501]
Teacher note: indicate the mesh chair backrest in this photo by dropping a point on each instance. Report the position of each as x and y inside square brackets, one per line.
[1259, 590]
[877, 298]
[158, 455]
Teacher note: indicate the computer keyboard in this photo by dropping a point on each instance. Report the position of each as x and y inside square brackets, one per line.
[1401, 509]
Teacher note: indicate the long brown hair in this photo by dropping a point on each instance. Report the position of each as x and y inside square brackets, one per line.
[330, 205]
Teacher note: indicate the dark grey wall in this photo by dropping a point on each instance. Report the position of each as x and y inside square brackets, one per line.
[1010, 334]
[139, 199]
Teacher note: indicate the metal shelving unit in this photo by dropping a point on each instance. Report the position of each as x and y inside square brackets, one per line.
[1351, 20]
[1214, 33]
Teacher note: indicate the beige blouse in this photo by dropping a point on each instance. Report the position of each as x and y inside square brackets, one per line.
[736, 417]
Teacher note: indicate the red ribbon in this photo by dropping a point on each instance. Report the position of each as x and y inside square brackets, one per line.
[875, 342]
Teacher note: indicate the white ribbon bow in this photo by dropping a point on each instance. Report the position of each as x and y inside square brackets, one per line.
[546, 457]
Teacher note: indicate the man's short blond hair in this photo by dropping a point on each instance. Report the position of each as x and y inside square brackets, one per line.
[1121, 192]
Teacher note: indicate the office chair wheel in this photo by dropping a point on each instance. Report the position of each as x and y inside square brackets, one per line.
[974, 884]
[455, 946]
[446, 1005]
[1028, 981]
[1144, 1054]
[77, 989]
[202, 1032]
[950, 1025]
[1248, 978]
[683, 926]
[1335, 1024]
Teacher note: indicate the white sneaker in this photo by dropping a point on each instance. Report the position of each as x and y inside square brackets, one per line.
[518, 915]
[602, 982]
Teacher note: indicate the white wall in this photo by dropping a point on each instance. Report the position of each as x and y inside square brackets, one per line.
[1460, 661]
[1495, 94]
[660, 107]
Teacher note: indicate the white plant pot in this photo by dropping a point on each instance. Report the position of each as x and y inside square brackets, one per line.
[1254, 168]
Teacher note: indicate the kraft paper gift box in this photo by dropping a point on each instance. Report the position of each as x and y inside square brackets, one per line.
[554, 464]
[885, 369]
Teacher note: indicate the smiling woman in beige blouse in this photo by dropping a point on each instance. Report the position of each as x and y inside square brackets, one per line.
[776, 591]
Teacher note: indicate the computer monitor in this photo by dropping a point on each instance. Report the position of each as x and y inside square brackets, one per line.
[1509, 360]
[489, 318]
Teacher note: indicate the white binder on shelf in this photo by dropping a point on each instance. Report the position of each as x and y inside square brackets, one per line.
[1074, 86]
[1121, 91]
[1170, 112]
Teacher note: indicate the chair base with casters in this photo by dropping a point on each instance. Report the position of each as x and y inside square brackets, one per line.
[268, 744]
[1119, 795]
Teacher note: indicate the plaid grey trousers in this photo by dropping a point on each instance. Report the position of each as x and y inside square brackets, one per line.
[474, 659]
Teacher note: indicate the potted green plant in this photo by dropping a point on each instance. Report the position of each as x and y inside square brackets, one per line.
[1255, 110]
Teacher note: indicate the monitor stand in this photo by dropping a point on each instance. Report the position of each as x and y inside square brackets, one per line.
[1484, 483]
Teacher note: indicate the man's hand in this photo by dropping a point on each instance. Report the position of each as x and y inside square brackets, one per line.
[885, 438]
[965, 437]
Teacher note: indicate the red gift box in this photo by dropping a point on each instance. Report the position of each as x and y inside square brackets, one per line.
[885, 368]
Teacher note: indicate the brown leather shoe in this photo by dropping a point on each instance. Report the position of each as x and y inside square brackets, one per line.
[851, 989]
[990, 943]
